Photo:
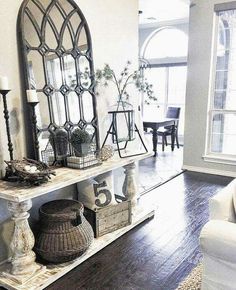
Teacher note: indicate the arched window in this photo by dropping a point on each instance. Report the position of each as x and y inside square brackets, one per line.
[165, 43]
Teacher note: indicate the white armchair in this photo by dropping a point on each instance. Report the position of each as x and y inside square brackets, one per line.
[218, 242]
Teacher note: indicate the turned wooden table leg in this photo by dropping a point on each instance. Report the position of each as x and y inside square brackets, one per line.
[130, 187]
[154, 141]
[173, 135]
[23, 265]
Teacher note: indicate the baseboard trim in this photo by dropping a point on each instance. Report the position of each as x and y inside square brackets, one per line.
[209, 170]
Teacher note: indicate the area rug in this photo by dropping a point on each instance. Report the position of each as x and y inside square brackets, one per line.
[193, 280]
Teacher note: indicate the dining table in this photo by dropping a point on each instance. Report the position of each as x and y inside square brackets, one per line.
[155, 124]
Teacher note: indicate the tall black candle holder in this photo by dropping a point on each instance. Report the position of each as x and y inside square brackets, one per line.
[35, 130]
[6, 116]
[10, 174]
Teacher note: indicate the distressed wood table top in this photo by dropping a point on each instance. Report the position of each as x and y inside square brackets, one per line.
[64, 177]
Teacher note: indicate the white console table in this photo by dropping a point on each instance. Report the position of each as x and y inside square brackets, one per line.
[21, 271]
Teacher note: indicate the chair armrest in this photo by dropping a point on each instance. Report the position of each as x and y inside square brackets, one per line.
[218, 239]
[221, 205]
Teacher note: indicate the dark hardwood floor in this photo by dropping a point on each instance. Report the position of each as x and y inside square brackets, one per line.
[155, 171]
[159, 253]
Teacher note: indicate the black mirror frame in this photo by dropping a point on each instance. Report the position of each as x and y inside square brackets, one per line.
[24, 50]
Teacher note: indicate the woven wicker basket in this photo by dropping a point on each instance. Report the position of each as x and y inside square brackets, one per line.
[64, 234]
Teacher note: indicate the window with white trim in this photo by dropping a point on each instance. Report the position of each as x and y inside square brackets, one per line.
[222, 112]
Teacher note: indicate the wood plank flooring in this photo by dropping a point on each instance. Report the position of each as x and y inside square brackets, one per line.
[159, 253]
[155, 171]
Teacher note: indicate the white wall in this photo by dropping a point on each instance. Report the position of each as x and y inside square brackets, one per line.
[9, 66]
[114, 28]
[200, 42]
[114, 31]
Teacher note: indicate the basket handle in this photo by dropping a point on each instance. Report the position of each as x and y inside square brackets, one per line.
[78, 218]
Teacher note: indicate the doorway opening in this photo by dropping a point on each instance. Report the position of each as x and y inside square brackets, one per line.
[164, 52]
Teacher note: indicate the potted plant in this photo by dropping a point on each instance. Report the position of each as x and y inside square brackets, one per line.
[59, 141]
[80, 140]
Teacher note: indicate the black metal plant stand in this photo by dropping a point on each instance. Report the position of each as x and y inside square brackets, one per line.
[35, 130]
[113, 132]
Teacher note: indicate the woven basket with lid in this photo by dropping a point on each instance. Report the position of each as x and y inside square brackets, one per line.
[64, 233]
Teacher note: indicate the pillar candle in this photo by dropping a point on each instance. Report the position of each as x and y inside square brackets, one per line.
[32, 96]
[4, 83]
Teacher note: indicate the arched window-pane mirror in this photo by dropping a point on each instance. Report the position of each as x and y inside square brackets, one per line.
[58, 63]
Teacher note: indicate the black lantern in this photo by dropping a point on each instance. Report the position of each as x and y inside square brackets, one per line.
[122, 116]
[123, 127]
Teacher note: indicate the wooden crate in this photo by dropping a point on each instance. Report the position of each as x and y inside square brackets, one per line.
[110, 218]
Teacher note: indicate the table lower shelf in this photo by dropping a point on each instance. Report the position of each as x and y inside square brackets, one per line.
[54, 272]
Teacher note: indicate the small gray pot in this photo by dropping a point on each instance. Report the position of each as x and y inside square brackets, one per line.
[82, 149]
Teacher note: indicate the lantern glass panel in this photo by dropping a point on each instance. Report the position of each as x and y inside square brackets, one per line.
[122, 115]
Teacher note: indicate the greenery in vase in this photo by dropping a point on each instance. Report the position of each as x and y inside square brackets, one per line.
[124, 80]
[79, 136]
[59, 141]
[61, 133]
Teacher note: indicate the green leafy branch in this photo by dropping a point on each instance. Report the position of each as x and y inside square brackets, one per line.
[126, 78]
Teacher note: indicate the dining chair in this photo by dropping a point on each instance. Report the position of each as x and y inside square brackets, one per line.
[172, 112]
